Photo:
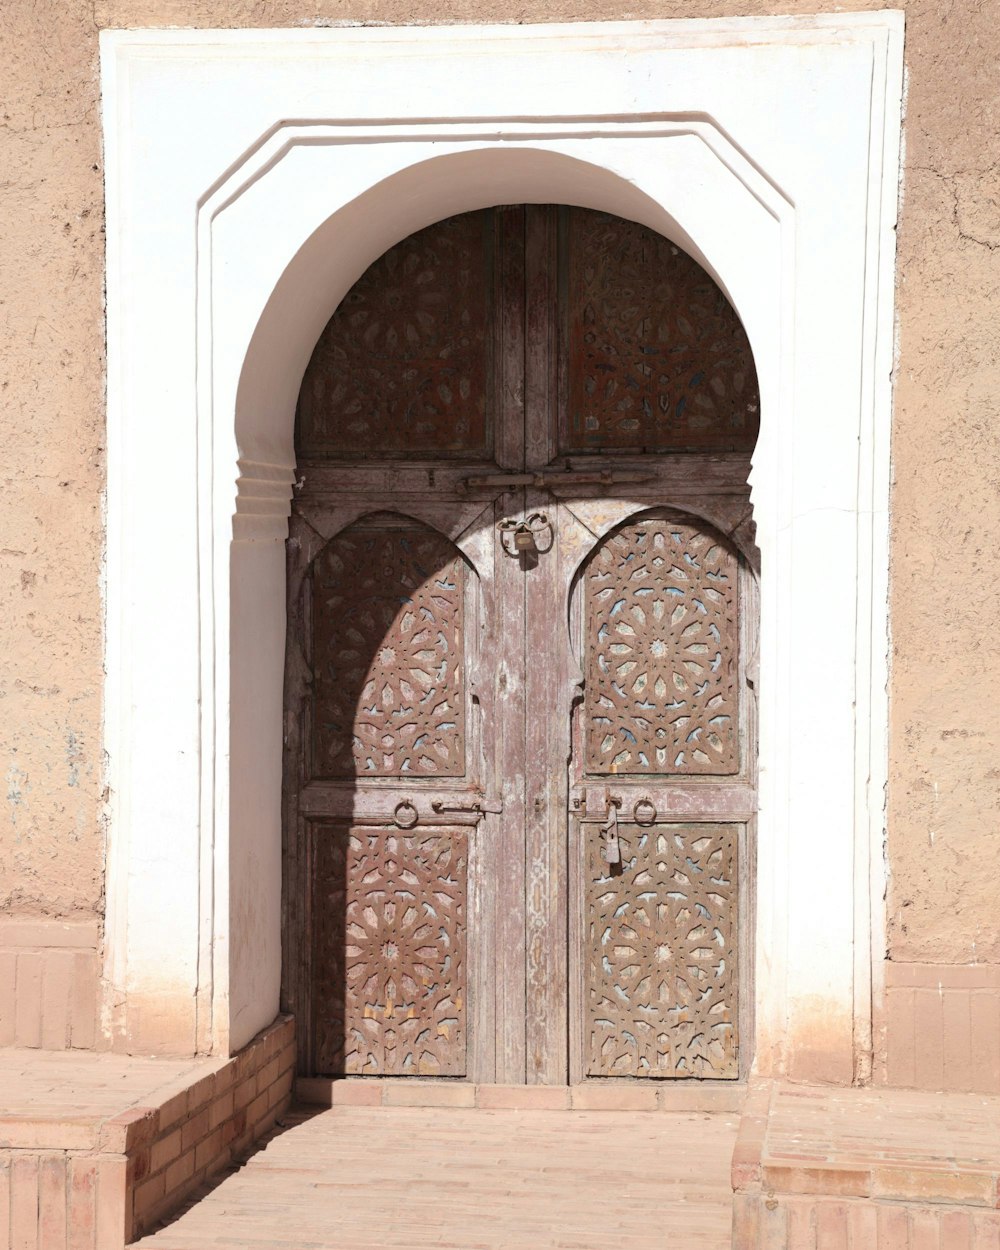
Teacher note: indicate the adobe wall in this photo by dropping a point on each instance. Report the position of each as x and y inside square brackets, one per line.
[945, 777]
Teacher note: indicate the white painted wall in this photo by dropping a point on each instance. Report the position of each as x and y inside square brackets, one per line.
[766, 148]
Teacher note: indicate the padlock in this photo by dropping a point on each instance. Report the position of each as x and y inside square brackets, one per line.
[524, 539]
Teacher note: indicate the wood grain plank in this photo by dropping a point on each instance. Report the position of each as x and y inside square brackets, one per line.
[482, 640]
[510, 345]
[509, 702]
[540, 380]
[548, 709]
[547, 740]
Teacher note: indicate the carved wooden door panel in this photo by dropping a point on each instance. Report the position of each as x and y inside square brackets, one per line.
[389, 609]
[642, 413]
[392, 810]
[520, 764]
[662, 777]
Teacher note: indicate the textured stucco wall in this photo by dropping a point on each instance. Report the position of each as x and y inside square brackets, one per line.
[945, 787]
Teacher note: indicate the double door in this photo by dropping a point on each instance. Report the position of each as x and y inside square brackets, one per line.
[520, 785]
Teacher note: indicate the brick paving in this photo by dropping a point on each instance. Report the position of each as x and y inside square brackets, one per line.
[371, 1178]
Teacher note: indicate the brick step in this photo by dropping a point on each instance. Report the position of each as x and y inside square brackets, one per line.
[866, 1169]
[96, 1148]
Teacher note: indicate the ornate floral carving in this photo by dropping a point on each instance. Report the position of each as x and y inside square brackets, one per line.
[402, 368]
[391, 954]
[662, 644]
[657, 358]
[389, 697]
[663, 983]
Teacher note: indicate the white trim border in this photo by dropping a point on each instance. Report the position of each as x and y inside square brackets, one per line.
[251, 176]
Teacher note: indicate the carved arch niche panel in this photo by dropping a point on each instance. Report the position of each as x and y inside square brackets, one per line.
[388, 605]
[661, 605]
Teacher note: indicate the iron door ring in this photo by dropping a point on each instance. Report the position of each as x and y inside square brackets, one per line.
[644, 812]
[406, 814]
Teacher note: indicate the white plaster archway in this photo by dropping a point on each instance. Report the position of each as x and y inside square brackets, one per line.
[766, 148]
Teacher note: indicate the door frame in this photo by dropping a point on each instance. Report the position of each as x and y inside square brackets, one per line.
[232, 232]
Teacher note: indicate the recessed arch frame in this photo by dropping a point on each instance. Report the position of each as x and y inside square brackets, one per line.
[786, 193]
[474, 176]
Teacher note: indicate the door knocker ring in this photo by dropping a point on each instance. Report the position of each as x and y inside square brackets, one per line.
[644, 812]
[405, 815]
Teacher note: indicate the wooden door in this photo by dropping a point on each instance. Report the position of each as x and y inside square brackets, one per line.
[508, 416]
[662, 780]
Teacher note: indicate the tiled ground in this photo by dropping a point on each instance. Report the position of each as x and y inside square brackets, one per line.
[368, 1178]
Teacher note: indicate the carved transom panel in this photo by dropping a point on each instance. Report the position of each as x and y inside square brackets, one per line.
[662, 932]
[662, 646]
[387, 655]
[402, 368]
[391, 951]
[656, 357]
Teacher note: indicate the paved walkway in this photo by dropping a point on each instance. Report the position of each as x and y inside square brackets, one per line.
[369, 1178]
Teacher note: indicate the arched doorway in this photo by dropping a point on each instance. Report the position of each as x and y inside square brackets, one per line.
[520, 773]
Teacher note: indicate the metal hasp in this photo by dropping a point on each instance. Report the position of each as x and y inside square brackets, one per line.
[479, 806]
[611, 851]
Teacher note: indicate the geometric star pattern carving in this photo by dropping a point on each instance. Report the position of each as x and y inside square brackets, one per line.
[387, 655]
[401, 369]
[661, 694]
[658, 359]
[663, 982]
[390, 963]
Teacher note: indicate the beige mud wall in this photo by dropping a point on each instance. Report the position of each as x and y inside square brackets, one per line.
[945, 771]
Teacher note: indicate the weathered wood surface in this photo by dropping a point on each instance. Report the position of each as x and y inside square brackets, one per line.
[656, 356]
[392, 951]
[662, 954]
[403, 368]
[520, 664]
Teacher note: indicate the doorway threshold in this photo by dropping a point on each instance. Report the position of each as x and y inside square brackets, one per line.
[598, 1095]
